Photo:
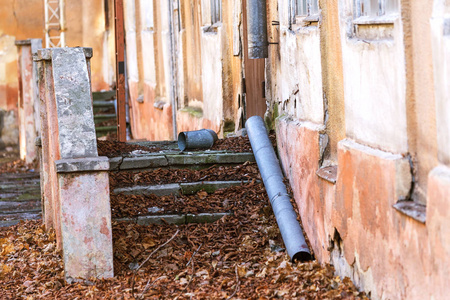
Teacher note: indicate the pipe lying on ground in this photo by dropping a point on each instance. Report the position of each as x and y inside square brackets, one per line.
[276, 190]
[201, 139]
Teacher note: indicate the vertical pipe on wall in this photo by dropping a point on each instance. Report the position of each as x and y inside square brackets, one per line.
[257, 29]
[173, 70]
[120, 71]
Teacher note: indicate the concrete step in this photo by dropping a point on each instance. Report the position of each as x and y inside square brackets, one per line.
[188, 188]
[12, 207]
[177, 160]
[104, 130]
[14, 218]
[103, 118]
[102, 106]
[177, 219]
[105, 95]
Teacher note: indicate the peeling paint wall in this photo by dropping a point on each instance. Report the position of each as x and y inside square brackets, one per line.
[206, 75]
[440, 31]
[299, 75]
[20, 20]
[377, 135]
[420, 100]
[374, 82]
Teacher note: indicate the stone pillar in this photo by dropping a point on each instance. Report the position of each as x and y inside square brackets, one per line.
[28, 104]
[75, 179]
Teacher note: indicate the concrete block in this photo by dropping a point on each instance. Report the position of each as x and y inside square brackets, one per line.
[205, 217]
[114, 163]
[86, 164]
[214, 158]
[86, 225]
[208, 186]
[143, 162]
[158, 190]
[162, 219]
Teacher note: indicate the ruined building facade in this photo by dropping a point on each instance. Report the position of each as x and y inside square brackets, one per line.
[357, 91]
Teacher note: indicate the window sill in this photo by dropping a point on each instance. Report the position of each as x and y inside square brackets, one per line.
[383, 20]
[214, 28]
[412, 209]
[305, 21]
[328, 173]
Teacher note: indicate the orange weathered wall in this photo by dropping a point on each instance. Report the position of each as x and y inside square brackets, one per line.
[349, 217]
[352, 223]
[85, 23]
[206, 80]
[19, 20]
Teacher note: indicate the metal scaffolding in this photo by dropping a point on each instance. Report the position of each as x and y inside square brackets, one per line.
[54, 23]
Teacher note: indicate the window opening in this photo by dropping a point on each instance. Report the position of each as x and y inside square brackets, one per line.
[216, 11]
[375, 8]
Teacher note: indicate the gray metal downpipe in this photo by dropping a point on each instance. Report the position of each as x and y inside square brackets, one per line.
[257, 29]
[204, 138]
[276, 190]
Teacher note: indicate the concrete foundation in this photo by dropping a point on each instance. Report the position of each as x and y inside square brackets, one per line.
[352, 223]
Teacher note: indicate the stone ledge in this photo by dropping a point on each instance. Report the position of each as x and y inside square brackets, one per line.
[22, 42]
[328, 173]
[208, 186]
[114, 163]
[213, 158]
[143, 162]
[46, 53]
[181, 219]
[412, 209]
[158, 190]
[187, 188]
[85, 164]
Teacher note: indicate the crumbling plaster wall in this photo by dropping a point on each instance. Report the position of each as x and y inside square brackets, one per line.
[147, 40]
[440, 30]
[299, 76]
[374, 82]
[351, 223]
[211, 45]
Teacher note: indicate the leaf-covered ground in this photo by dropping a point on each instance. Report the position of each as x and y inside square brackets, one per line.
[239, 257]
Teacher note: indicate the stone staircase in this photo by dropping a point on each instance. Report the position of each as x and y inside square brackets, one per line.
[170, 158]
[20, 196]
[104, 112]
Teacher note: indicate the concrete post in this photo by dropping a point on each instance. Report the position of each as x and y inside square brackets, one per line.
[28, 105]
[75, 179]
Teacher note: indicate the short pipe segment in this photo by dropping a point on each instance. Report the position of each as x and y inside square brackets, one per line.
[198, 139]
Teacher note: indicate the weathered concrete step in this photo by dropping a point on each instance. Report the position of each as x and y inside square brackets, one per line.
[104, 130]
[102, 118]
[19, 176]
[105, 95]
[179, 219]
[169, 160]
[20, 197]
[14, 187]
[101, 106]
[11, 207]
[187, 188]
[12, 219]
